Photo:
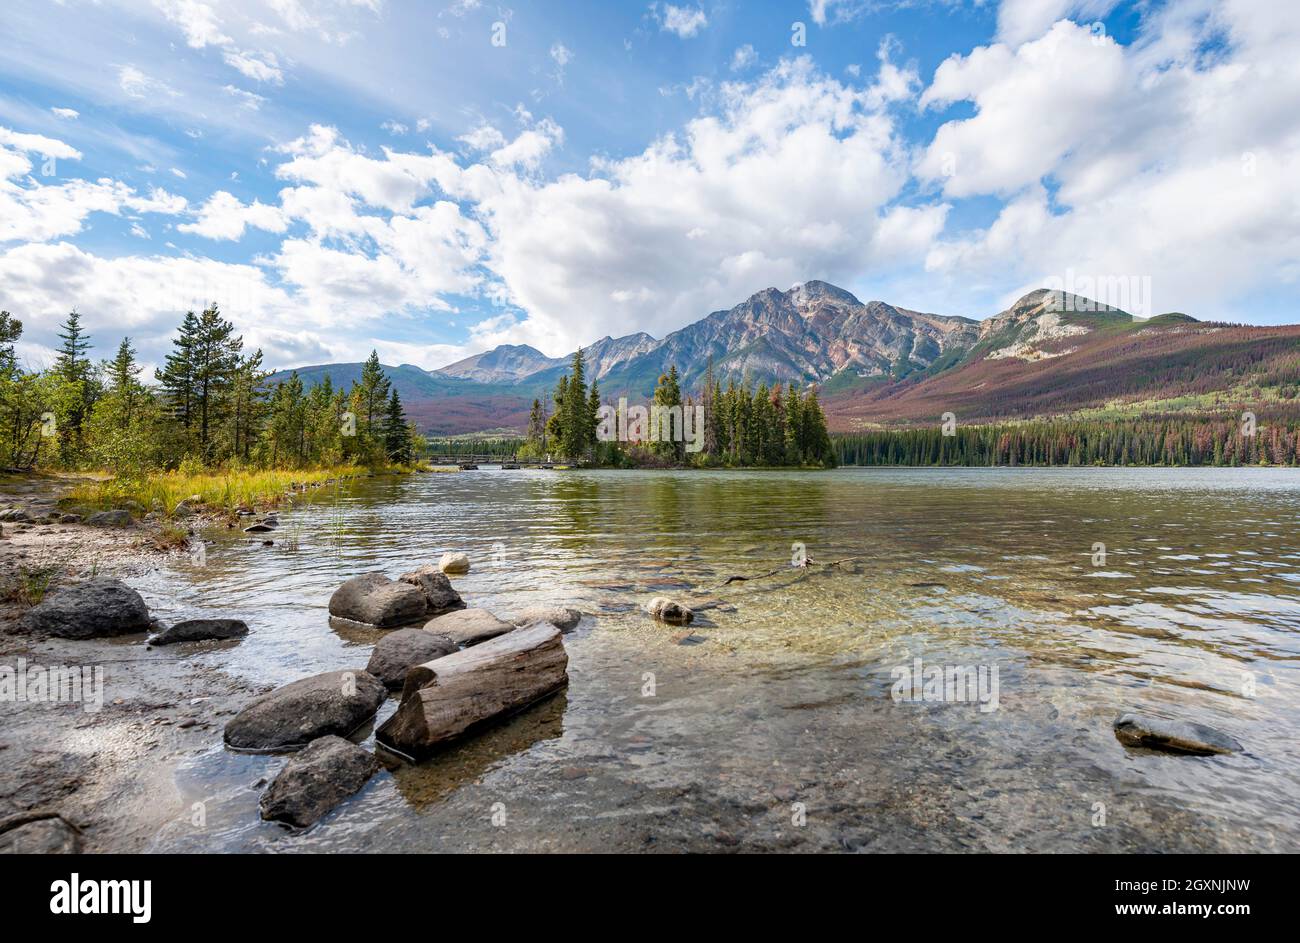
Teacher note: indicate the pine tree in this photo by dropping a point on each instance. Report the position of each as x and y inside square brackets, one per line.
[123, 386]
[176, 376]
[214, 354]
[397, 435]
[72, 363]
[10, 330]
[668, 394]
[375, 387]
[79, 389]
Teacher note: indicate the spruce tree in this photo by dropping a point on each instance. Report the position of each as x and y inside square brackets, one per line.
[397, 436]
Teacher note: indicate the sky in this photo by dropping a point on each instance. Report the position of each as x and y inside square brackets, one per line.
[431, 179]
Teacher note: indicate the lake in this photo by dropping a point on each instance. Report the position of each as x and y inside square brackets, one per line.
[771, 723]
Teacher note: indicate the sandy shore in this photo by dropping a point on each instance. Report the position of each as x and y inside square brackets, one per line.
[107, 769]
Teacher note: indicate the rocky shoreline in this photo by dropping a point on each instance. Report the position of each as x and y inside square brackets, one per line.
[88, 626]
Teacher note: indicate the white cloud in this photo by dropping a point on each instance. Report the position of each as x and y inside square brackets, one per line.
[223, 216]
[684, 21]
[1022, 20]
[260, 67]
[561, 54]
[66, 114]
[654, 240]
[138, 85]
[198, 21]
[246, 99]
[178, 173]
[395, 128]
[743, 58]
[1175, 158]
[36, 209]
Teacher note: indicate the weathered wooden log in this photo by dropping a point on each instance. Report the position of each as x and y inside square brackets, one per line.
[448, 697]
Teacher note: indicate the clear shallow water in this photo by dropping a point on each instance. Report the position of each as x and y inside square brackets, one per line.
[779, 702]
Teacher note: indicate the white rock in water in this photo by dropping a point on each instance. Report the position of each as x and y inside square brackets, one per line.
[666, 610]
[454, 563]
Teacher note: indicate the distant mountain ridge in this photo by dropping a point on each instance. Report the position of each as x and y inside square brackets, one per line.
[874, 362]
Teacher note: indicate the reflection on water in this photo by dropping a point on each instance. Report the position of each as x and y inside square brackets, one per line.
[779, 699]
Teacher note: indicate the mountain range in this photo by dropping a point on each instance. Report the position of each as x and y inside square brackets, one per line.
[1049, 354]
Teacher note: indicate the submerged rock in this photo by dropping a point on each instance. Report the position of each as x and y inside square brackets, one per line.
[439, 597]
[376, 600]
[666, 610]
[110, 519]
[457, 563]
[313, 782]
[199, 630]
[398, 652]
[1174, 736]
[468, 626]
[96, 608]
[562, 617]
[290, 717]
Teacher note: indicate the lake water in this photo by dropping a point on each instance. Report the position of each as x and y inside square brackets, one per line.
[773, 725]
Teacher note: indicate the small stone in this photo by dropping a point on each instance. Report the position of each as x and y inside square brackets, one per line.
[456, 563]
[674, 613]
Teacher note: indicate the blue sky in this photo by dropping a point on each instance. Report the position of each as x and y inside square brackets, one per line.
[432, 179]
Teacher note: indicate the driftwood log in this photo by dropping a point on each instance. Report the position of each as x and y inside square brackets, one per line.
[448, 697]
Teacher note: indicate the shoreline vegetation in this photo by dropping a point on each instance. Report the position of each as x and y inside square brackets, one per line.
[209, 432]
[1162, 441]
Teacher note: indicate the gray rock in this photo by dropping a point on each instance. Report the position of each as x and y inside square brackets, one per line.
[1174, 736]
[376, 600]
[290, 717]
[468, 626]
[200, 630]
[316, 780]
[70, 519]
[674, 613]
[261, 527]
[44, 836]
[562, 617]
[397, 652]
[454, 563]
[94, 609]
[119, 518]
[17, 516]
[439, 597]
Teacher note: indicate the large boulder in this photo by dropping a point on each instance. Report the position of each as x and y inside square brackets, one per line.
[397, 652]
[666, 610]
[1173, 736]
[455, 563]
[314, 781]
[96, 608]
[562, 617]
[290, 717]
[117, 518]
[468, 626]
[376, 600]
[439, 597]
[200, 630]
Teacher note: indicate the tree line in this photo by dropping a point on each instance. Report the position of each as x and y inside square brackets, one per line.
[740, 426]
[1159, 440]
[211, 404]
